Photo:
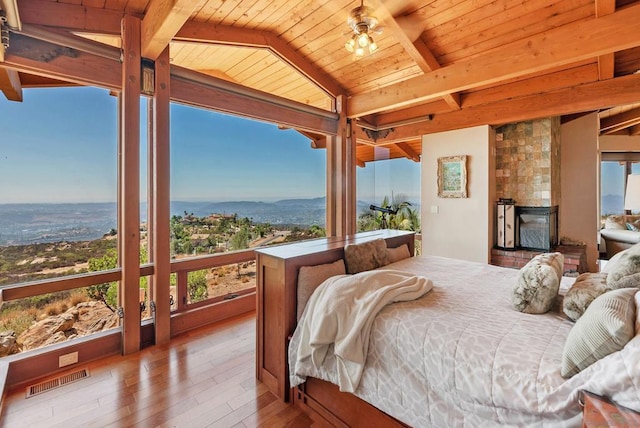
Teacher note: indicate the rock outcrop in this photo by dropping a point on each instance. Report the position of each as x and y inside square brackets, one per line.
[81, 320]
[8, 343]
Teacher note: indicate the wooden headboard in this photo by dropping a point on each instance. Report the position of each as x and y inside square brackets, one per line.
[276, 287]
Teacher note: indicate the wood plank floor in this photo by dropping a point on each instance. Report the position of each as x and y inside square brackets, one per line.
[204, 378]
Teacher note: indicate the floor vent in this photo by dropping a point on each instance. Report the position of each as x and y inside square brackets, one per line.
[50, 384]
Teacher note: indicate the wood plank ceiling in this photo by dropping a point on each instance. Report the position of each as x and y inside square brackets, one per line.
[440, 64]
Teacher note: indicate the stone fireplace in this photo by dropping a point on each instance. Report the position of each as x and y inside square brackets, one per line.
[528, 173]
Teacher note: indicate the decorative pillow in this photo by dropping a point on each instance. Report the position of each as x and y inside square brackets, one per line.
[398, 253]
[625, 272]
[616, 222]
[605, 327]
[587, 287]
[612, 261]
[310, 277]
[538, 283]
[637, 298]
[632, 227]
[366, 256]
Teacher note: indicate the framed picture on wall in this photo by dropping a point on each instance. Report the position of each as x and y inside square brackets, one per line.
[452, 177]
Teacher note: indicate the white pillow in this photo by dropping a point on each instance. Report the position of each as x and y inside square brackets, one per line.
[612, 261]
[625, 272]
[637, 298]
[605, 327]
[538, 283]
[310, 277]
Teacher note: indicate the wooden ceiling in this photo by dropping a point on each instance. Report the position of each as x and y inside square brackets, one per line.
[441, 64]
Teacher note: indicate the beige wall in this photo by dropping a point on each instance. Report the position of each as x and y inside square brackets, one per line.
[459, 228]
[579, 218]
[619, 143]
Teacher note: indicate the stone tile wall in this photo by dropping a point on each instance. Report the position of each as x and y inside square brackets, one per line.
[528, 162]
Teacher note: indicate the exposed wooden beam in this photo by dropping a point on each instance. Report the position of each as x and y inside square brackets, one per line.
[10, 84]
[563, 45]
[416, 49]
[408, 151]
[69, 16]
[561, 79]
[251, 103]
[85, 69]
[587, 97]
[606, 63]
[611, 124]
[206, 33]
[161, 22]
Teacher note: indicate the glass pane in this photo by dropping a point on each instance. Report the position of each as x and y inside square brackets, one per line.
[612, 179]
[388, 194]
[58, 169]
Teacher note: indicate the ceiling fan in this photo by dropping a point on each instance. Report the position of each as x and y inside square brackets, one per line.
[363, 24]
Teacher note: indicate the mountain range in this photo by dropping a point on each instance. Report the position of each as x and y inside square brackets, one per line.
[22, 224]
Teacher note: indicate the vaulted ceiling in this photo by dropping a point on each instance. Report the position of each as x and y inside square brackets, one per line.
[440, 64]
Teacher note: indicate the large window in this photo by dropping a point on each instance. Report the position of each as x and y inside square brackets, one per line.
[614, 169]
[393, 184]
[58, 191]
[238, 184]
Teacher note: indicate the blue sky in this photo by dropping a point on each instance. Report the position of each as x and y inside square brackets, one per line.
[59, 145]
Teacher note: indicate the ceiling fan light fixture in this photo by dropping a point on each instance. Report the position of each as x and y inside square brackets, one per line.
[350, 45]
[363, 40]
[373, 46]
[362, 23]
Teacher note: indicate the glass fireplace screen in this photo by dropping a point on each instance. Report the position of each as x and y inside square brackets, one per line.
[537, 227]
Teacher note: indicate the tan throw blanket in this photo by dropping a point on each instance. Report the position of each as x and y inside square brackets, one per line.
[340, 313]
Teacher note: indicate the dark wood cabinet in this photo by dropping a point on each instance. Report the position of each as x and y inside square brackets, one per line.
[277, 277]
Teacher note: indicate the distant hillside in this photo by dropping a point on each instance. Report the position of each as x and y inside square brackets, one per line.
[22, 224]
[304, 212]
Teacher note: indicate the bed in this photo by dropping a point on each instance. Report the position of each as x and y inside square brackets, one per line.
[462, 356]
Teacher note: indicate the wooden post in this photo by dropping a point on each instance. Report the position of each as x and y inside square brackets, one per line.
[339, 179]
[130, 184]
[160, 185]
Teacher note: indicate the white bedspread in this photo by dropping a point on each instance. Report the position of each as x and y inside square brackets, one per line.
[460, 356]
[340, 313]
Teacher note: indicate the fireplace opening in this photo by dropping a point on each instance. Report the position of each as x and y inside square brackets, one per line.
[537, 228]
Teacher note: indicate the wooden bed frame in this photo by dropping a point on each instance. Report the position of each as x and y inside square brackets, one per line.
[276, 287]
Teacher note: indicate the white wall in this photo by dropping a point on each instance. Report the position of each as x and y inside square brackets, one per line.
[456, 227]
[579, 172]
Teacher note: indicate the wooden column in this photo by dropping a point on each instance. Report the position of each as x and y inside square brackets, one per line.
[351, 211]
[130, 184]
[338, 176]
[160, 193]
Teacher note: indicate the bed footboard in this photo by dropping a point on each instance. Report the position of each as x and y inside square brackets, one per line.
[323, 400]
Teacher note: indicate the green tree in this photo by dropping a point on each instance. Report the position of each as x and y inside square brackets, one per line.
[404, 217]
[240, 239]
[107, 292]
[197, 286]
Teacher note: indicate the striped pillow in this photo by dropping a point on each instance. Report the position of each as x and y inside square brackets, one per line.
[605, 327]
